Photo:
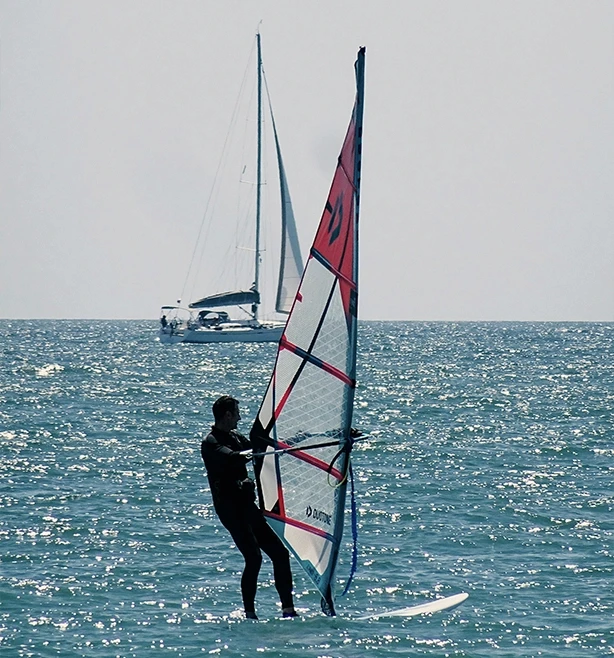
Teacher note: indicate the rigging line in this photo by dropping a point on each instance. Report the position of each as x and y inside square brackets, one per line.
[346, 449]
[245, 210]
[343, 479]
[217, 172]
[354, 509]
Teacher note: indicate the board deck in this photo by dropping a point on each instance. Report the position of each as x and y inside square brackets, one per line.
[447, 603]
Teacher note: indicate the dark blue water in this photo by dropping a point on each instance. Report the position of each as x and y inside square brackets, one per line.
[490, 471]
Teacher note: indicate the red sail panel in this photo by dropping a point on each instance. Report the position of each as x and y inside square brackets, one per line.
[334, 241]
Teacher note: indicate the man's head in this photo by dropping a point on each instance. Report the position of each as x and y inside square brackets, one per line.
[226, 412]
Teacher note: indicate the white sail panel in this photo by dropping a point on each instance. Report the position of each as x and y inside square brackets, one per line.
[310, 304]
[332, 343]
[268, 480]
[316, 405]
[309, 487]
[310, 548]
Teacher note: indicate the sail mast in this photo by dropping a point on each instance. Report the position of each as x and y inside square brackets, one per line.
[258, 179]
[359, 69]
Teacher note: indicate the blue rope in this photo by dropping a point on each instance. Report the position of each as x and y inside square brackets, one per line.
[354, 534]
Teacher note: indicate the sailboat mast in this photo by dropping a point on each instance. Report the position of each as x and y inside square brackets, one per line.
[258, 180]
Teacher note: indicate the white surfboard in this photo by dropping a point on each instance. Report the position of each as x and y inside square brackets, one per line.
[447, 603]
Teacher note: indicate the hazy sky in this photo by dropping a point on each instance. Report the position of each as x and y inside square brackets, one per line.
[488, 162]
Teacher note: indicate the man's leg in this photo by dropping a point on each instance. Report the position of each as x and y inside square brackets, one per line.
[272, 545]
[244, 538]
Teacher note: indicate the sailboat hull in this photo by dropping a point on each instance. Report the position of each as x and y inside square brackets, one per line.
[262, 334]
[170, 337]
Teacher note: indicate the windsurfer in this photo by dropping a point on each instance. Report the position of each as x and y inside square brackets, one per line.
[233, 494]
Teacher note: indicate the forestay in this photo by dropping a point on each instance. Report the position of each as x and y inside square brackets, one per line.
[310, 397]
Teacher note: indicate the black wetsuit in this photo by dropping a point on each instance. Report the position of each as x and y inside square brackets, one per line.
[234, 501]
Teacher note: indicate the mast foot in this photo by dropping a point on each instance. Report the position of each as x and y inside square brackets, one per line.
[327, 607]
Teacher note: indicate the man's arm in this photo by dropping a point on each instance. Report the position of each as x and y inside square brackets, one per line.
[220, 452]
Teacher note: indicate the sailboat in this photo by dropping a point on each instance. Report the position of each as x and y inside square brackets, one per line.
[302, 437]
[208, 319]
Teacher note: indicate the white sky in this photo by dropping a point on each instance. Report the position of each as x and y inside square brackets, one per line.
[488, 161]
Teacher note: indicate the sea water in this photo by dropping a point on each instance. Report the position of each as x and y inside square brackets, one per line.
[489, 470]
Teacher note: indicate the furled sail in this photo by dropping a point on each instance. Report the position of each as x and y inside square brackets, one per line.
[307, 407]
[234, 298]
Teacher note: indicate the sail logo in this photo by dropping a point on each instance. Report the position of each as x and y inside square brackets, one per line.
[336, 218]
[318, 515]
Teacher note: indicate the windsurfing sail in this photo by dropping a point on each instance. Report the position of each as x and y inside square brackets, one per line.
[309, 401]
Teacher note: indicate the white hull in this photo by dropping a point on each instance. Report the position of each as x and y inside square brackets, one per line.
[262, 334]
[169, 338]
